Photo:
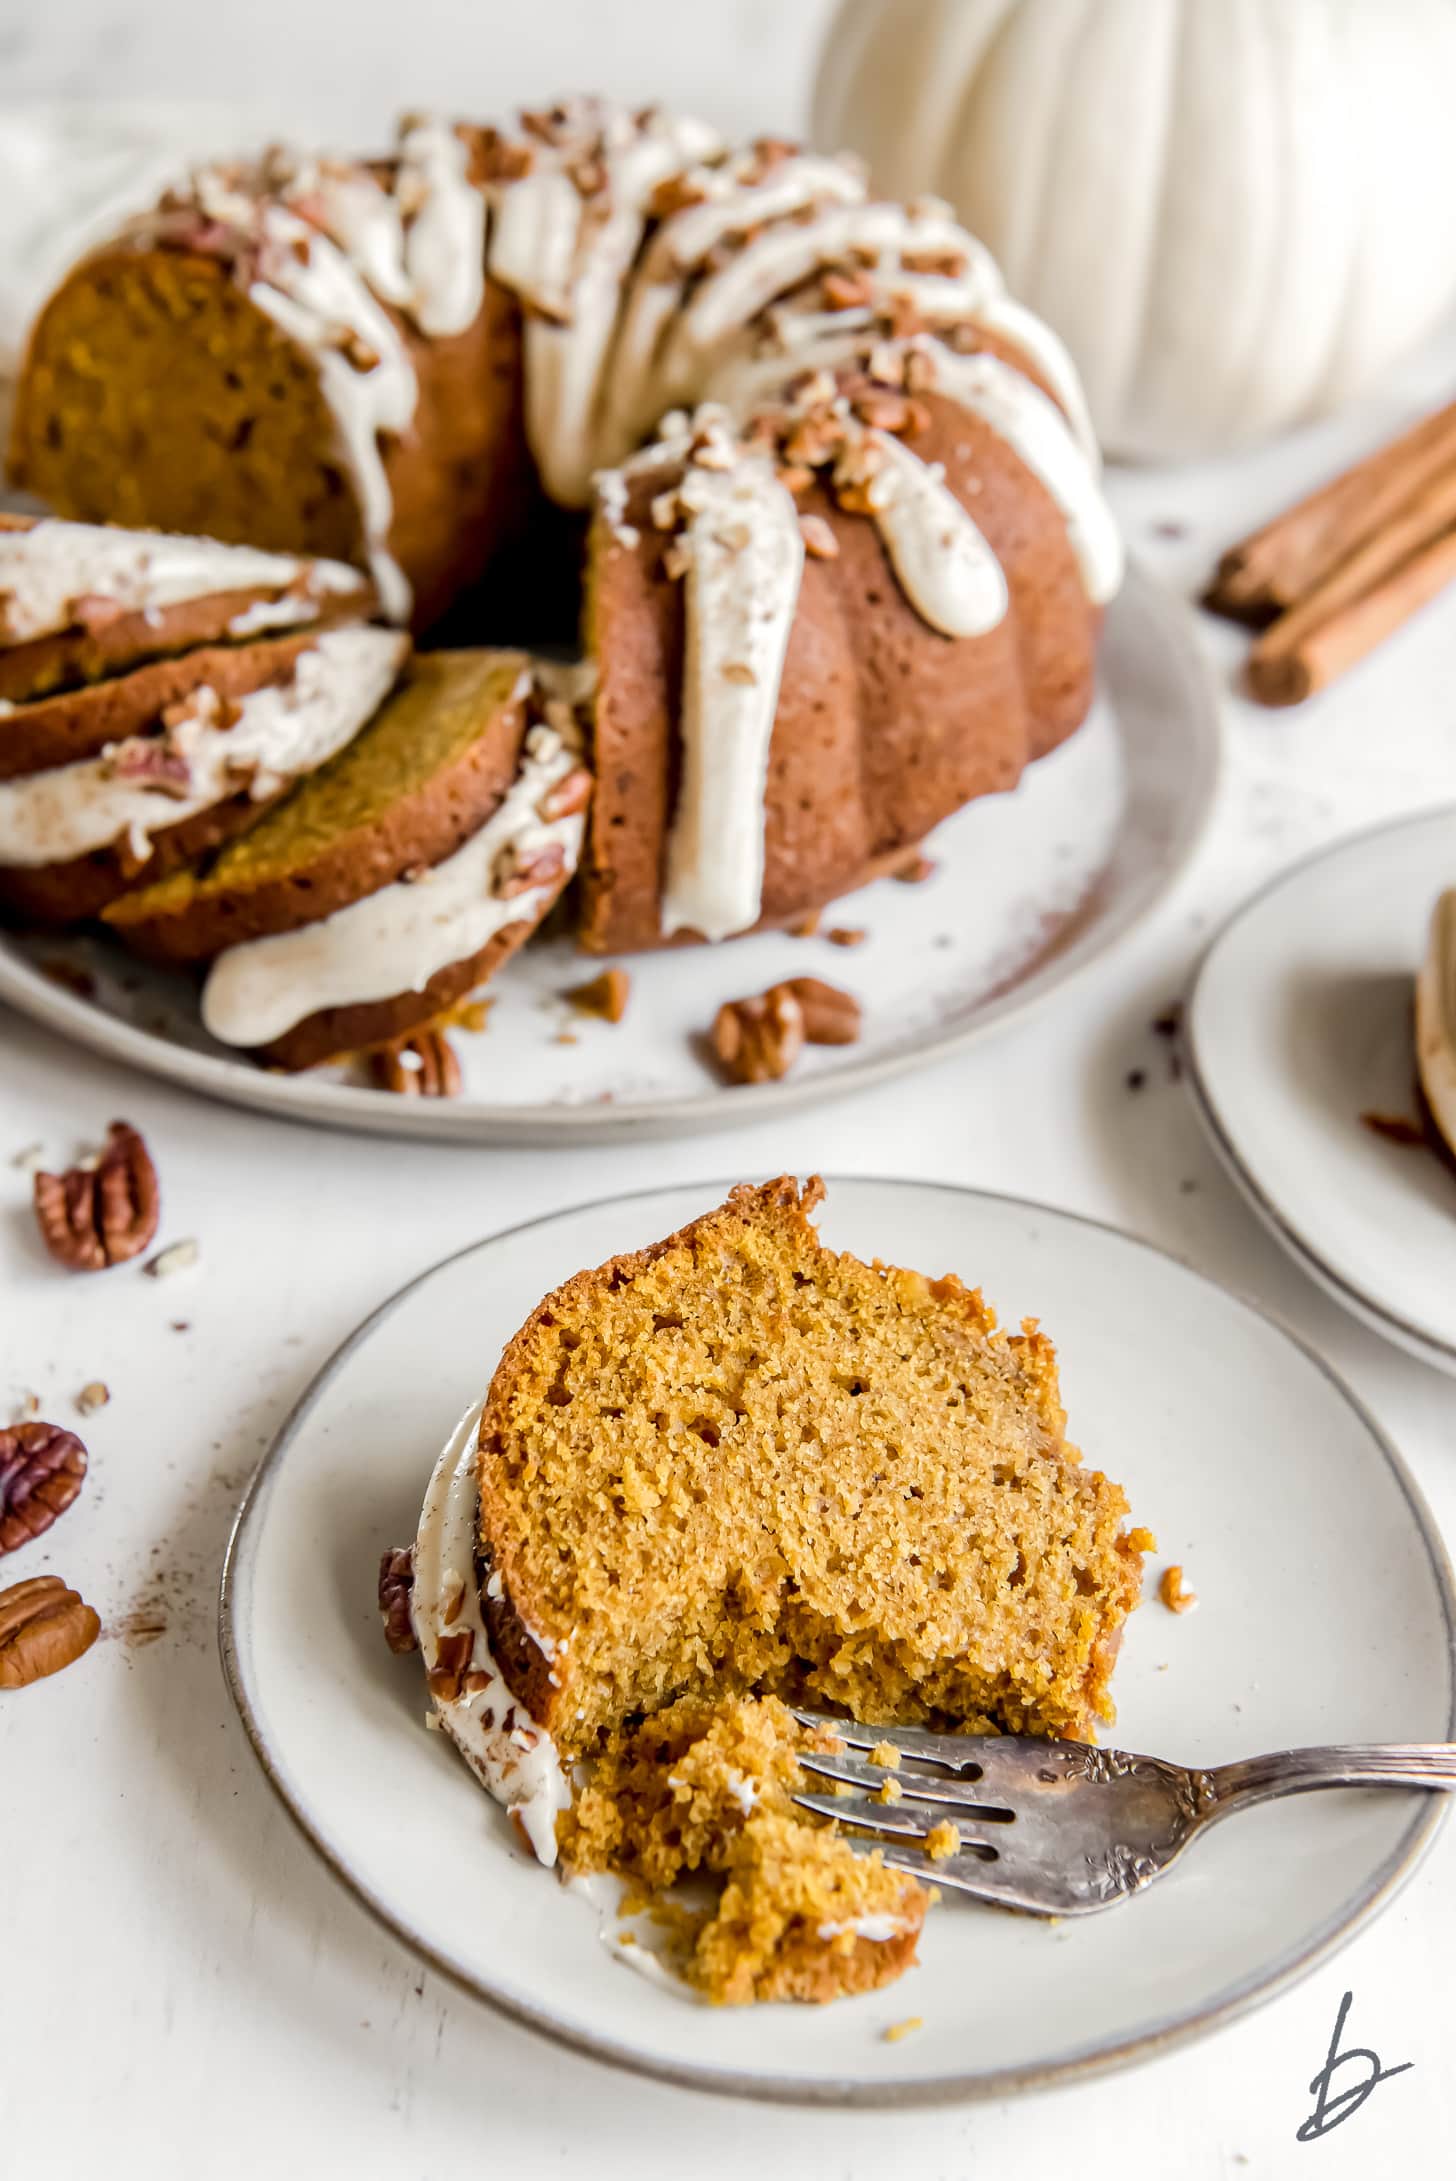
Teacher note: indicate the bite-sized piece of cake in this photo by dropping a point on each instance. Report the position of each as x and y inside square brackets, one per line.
[1436, 1020]
[739, 1461]
[161, 781]
[80, 602]
[395, 880]
[705, 1787]
[780, 715]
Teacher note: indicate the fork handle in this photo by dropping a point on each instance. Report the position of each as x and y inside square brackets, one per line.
[1229, 1787]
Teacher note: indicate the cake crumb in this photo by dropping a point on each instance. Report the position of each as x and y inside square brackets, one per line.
[887, 1755]
[916, 871]
[846, 935]
[604, 996]
[892, 1791]
[1174, 1593]
[1396, 1128]
[897, 2030]
[93, 1397]
[27, 1407]
[807, 926]
[29, 1157]
[942, 1840]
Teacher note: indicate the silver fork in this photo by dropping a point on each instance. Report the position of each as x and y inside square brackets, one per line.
[1063, 1828]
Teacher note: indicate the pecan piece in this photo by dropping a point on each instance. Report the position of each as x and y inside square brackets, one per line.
[452, 1657]
[421, 1066]
[521, 870]
[758, 1039]
[42, 1468]
[43, 1627]
[605, 995]
[569, 795]
[831, 1016]
[93, 1217]
[396, 1584]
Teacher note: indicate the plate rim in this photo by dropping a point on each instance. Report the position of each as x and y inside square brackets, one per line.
[1375, 1315]
[346, 1108]
[1165, 2034]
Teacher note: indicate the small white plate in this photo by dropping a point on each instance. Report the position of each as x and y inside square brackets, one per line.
[1029, 889]
[1299, 1022]
[1326, 1615]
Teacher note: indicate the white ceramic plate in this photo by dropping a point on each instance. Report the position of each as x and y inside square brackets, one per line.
[1029, 889]
[1326, 1615]
[1299, 1022]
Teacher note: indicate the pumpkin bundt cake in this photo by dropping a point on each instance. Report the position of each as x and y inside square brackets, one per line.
[397, 878]
[845, 549]
[739, 1467]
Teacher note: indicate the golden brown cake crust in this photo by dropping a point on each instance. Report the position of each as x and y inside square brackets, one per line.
[883, 727]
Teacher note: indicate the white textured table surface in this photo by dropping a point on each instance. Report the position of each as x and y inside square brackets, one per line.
[186, 1990]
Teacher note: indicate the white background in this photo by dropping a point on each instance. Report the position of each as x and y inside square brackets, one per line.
[182, 1988]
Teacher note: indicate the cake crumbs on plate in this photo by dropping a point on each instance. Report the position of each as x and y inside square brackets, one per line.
[92, 1397]
[1174, 1592]
[893, 2033]
[846, 935]
[604, 996]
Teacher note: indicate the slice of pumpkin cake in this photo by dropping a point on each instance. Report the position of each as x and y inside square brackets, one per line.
[739, 1467]
[395, 880]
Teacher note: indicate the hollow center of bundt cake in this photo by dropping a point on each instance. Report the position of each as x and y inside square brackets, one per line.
[742, 1463]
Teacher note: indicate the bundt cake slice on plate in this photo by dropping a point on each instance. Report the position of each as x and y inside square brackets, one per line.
[396, 879]
[734, 1468]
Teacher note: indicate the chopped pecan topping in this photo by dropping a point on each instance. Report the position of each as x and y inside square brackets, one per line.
[521, 870]
[93, 1396]
[942, 264]
[151, 762]
[92, 1217]
[423, 1065]
[396, 1585]
[500, 160]
[847, 291]
[757, 1040]
[42, 1468]
[43, 1627]
[820, 543]
[571, 794]
[452, 1658]
[739, 670]
[677, 194]
[605, 995]
[831, 1017]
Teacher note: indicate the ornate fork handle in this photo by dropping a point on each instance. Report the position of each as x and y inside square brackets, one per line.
[1294, 1771]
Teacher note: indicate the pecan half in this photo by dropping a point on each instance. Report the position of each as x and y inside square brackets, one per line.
[422, 1066]
[396, 1584]
[93, 1217]
[44, 1626]
[831, 1017]
[42, 1468]
[758, 1039]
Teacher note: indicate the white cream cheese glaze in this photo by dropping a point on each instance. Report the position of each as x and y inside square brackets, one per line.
[945, 566]
[44, 570]
[1037, 432]
[140, 787]
[396, 939]
[509, 1754]
[745, 557]
[1436, 1018]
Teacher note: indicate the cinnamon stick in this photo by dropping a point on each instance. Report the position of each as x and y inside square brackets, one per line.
[1292, 555]
[1365, 601]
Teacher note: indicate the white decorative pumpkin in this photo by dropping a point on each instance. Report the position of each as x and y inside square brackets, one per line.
[1237, 213]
